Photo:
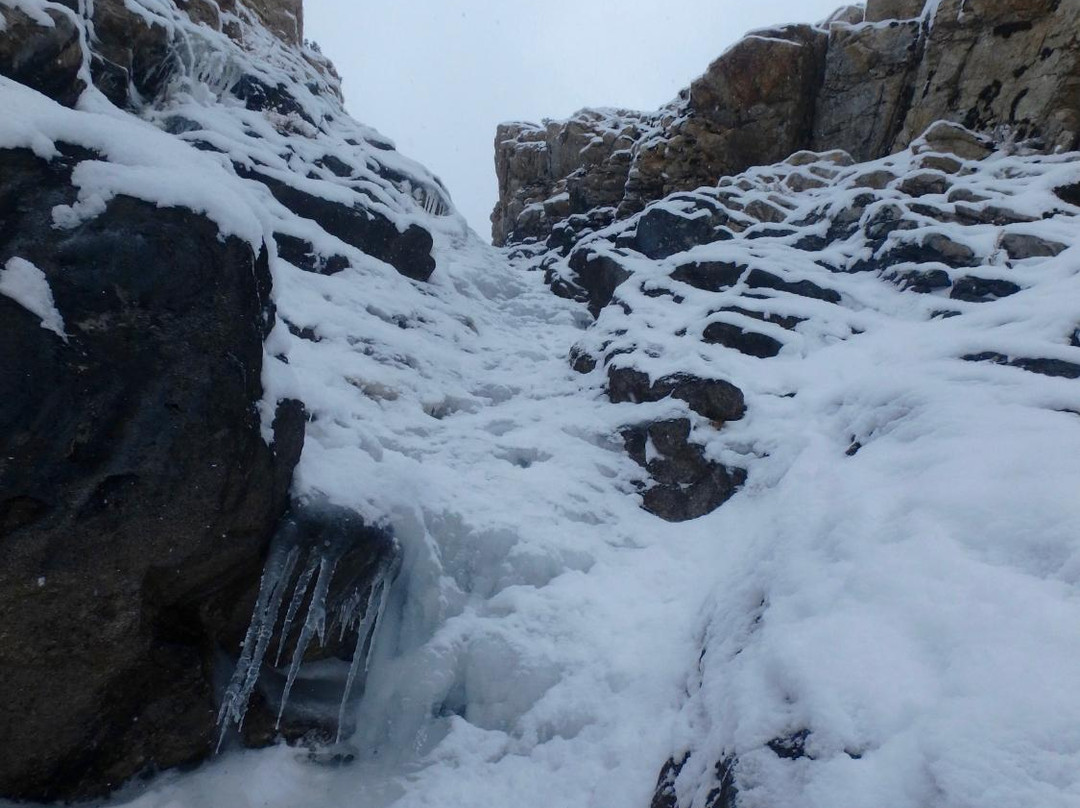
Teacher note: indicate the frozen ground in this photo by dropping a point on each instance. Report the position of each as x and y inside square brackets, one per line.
[914, 607]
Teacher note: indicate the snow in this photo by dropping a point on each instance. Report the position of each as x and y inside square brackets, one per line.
[27, 285]
[914, 606]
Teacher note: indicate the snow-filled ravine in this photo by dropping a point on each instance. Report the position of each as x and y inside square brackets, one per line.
[897, 584]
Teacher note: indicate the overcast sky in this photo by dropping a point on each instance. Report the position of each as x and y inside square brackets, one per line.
[437, 76]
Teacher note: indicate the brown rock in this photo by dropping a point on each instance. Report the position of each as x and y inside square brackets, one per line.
[880, 10]
[753, 106]
[990, 64]
[45, 58]
[951, 138]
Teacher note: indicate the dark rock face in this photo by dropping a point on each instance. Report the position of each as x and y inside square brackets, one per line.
[686, 484]
[716, 399]
[750, 343]
[723, 794]
[408, 251]
[359, 561]
[46, 59]
[302, 254]
[1056, 368]
[665, 796]
[596, 277]
[711, 276]
[662, 232]
[979, 290]
[136, 491]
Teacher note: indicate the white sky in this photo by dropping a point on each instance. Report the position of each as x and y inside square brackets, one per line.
[437, 76]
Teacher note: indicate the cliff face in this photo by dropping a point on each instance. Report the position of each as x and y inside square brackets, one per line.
[866, 81]
[164, 168]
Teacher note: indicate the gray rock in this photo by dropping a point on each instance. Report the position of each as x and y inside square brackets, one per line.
[1019, 246]
[990, 64]
[952, 138]
[867, 88]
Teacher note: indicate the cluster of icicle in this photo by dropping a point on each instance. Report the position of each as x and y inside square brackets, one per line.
[359, 612]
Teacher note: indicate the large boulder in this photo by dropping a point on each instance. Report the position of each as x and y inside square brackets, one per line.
[136, 488]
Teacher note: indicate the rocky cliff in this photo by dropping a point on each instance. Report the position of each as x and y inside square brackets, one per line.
[867, 81]
[163, 166]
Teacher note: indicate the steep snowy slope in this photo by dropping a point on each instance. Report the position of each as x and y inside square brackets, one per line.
[849, 389]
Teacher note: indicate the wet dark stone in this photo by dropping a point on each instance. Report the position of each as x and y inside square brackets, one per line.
[135, 485]
[785, 321]
[408, 251]
[1069, 193]
[44, 59]
[711, 276]
[791, 747]
[924, 281]
[596, 276]
[335, 165]
[1057, 368]
[717, 400]
[302, 254]
[750, 343]
[887, 219]
[760, 279]
[259, 96]
[664, 795]
[130, 54]
[933, 248]
[361, 555]
[981, 290]
[662, 232]
[686, 484]
[581, 361]
[725, 794]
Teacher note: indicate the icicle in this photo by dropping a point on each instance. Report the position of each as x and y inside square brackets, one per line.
[302, 584]
[314, 624]
[260, 631]
[364, 631]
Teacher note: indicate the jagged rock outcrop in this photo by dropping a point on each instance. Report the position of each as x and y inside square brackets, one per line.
[146, 456]
[548, 173]
[868, 83]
